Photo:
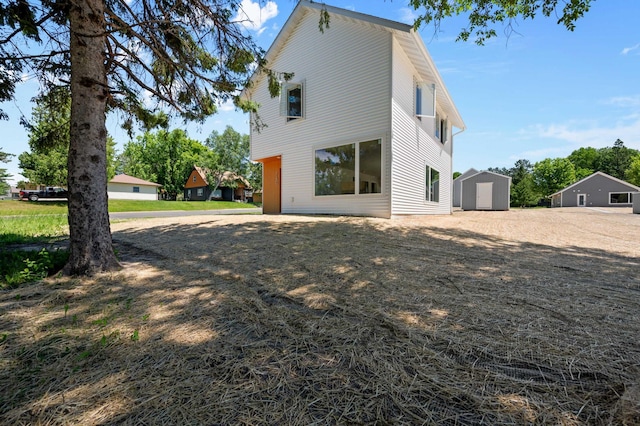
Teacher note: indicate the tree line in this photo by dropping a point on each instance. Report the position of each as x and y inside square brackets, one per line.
[163, 156]
[531, 183]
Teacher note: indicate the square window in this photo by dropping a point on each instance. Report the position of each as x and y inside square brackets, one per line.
[136, 189]
[200, 192]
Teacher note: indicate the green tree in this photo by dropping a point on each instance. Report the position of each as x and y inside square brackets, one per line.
[4, 175]
[164, 157]
[254, 175]
[551, 175]
[484, 15]
[523, 193]
[633, 172]
[585, 161]
[520, 171]
[616, 160]
[46, 163]
[229, 151]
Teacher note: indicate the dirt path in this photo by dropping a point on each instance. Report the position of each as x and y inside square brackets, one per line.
[475, 318]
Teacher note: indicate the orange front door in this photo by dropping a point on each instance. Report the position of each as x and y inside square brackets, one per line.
[271, 185]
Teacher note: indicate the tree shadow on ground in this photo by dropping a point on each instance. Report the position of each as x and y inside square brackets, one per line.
[339, 320]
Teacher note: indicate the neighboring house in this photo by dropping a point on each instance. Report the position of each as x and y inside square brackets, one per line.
[15, 193]
[364, 127]
[485, 191]
[233, 187]
[457, 186]
[125, 187]
[596, 190]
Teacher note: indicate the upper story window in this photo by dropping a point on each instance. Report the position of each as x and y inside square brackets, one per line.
[425, 100]
[292, 101]
[442, 127]
[194, 178]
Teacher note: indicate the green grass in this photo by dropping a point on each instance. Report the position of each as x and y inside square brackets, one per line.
[23, 222]
[26, 208]
[148, 206]
[33, 229]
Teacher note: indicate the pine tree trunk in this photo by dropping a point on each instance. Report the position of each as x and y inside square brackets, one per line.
[91, 248]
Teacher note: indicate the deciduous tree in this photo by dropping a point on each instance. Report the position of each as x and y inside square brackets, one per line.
[551, 175]
[164, 157]
[485, 15]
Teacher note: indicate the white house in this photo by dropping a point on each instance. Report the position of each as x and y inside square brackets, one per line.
[125, 187]
[364, 127]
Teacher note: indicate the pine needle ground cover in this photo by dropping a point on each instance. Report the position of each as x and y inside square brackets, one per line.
[520, 317]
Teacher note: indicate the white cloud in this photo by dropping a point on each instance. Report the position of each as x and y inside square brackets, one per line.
[253, 17]
[625, 101]
[628, 50]
[408, 15]
[594, 134]
[227, 106]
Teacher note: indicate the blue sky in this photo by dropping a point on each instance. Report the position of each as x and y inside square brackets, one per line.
[540, 93]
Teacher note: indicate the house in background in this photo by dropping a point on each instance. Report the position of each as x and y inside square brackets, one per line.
[596, 190]
[457, 186]
[485, 191]
[125, 187]
[364, 127]
[233, 187]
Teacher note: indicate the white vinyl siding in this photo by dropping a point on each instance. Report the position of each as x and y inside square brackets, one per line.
[124, 191]
[413, 148]
[346, 94]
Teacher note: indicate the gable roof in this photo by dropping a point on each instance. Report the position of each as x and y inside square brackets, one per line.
[407, 37]
[122, 178]
[596, 174]
[487, 172]
[466, 174]
[227, 176]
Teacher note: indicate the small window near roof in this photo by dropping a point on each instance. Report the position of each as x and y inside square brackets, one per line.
[292, 101]
[194, 178]
[136, 189]
[425, 100]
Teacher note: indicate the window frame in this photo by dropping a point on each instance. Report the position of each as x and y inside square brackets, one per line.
[421, 100]
[628, 194]
[428, 193]
[356, 179]
[285, 88]
[136, 189]
[199, 192]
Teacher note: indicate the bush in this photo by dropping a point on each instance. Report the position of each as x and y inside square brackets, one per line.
[19, 267]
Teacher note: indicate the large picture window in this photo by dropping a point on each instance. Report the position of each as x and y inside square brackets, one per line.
[354, 168]
[432, 185]
[620, 198]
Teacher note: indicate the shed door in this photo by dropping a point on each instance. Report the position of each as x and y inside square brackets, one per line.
[582, 200]
[484, 195]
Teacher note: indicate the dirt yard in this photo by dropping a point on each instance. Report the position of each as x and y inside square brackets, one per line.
[519, 317]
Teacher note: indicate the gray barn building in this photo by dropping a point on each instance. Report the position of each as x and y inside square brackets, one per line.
[596, 190]
[457, 186]
[486, 191]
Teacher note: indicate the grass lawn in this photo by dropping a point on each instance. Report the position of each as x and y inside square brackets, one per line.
[25, 208]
